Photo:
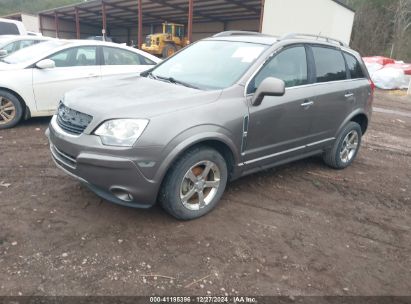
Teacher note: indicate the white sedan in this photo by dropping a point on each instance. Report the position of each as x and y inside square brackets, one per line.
[33, 80]
[12, 43]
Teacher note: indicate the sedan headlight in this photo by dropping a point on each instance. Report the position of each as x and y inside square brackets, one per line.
[121, 132]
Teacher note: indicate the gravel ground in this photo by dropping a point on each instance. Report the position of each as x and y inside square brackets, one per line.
[300, 229]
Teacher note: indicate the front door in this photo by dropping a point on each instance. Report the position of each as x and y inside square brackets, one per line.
[75, 67]
[281, 125]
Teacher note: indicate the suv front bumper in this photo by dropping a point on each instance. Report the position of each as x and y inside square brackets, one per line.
[117, 179]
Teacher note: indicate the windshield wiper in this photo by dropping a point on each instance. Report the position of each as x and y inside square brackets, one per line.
[151, 75]
[170, 80]
[186, 84]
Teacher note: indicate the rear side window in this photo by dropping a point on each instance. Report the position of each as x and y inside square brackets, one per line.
[354, 66]
[114, 56]
[7, 28]
[290, 66]
[329, 64]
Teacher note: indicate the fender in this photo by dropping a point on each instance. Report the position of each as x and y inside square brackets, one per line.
[350, 117]
[191, 137]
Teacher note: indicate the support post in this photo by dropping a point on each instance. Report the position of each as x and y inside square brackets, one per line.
[190, 20]
[262, 15]
[140, 24]
[56, 24]
[77, 24]
[104, 17]
[41, 23]
[128, 36]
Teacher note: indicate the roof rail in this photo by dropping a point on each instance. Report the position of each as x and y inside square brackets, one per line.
[316, 37]
[237, 33]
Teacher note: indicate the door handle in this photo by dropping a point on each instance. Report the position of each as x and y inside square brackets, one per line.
[349, 95]
[92, 75]
[307, 104]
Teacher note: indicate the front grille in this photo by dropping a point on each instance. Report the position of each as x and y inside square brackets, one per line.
[72, 121]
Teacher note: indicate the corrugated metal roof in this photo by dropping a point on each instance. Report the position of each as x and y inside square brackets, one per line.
[124, 13]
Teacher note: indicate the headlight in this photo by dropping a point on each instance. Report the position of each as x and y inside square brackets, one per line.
[121, 132]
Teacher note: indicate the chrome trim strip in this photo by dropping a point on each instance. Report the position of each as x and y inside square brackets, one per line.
[284, 152]
[320, 142]
[69, 173]
[65, 155]
[58, 129]
[57, 157]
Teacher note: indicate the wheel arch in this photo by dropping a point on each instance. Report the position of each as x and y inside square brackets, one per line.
[219, 142]
[359, 117]
[362, 120]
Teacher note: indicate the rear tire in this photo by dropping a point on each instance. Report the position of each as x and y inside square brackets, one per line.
[194, 184]
[11, 110]
[345, 147]
[169, 50]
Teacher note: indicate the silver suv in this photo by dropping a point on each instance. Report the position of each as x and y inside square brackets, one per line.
[225, 107]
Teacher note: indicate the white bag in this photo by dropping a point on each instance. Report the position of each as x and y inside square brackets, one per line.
[390, 79]
[373, 67]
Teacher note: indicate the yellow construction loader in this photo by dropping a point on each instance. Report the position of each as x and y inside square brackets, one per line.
[168, 42]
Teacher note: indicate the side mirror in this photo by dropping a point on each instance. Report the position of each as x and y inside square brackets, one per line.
[46, 64]
[3, 53]
[269, 87]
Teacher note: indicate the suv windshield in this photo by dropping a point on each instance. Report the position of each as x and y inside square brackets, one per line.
[32, 52]
[210, 64]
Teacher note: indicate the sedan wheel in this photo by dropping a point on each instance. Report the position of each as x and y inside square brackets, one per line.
[7, 111]
[11, 110]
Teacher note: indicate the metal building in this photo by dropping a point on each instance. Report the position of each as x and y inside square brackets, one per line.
[129, 21]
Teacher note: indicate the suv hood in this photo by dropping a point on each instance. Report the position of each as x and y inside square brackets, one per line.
[135, 97]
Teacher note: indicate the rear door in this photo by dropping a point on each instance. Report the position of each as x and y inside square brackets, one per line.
[118, 61]
[75, 67]
[334, 96]
[360, 86]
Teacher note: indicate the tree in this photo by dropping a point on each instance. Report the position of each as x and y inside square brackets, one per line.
[382, 27]
[401, 10]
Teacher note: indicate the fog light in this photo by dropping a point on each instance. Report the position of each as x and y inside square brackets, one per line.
[122, 194]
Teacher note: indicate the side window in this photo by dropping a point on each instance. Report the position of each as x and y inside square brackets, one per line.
[146, 61]
[26, 43]
[290, 66]
[354, 66]
[329, 64]
[10, 47]
[86, 56]
[7, 28]
[79, 56]
[114, 56]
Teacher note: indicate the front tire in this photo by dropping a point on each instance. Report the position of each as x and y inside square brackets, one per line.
[169, 50]
[345, 147]
[194, 184]
[11, 110]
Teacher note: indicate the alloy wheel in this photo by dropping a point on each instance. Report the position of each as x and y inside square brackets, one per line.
[200, 185]
[7, 111]
[349, 146]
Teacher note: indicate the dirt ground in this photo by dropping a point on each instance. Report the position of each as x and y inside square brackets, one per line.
[301, 229]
